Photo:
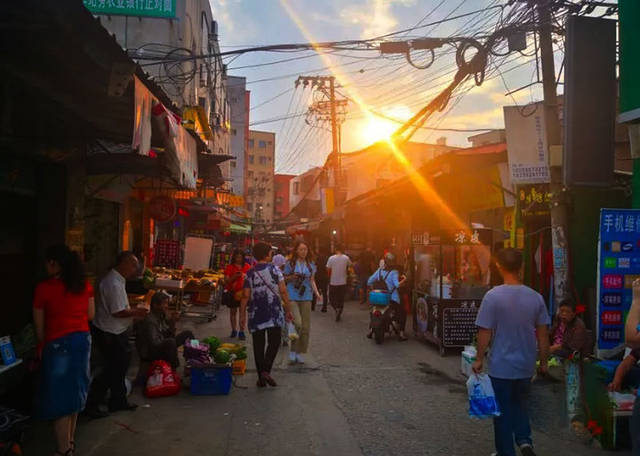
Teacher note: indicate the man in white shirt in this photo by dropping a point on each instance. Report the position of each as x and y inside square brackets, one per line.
[338, 271]
[112, 321]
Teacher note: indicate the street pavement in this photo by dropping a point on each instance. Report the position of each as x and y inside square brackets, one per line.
[351, 397]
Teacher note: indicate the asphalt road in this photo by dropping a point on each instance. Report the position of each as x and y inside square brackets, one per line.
[351, 397]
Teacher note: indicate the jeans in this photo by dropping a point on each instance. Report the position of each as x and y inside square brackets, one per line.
[264, 359]
[336, 296]
[635, 428]
[513, 422]
[301, 311]
[116, 352]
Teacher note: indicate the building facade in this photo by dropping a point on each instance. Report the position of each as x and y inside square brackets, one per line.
[197, 86]
[259, 178]
[281, 195]
[305, 193]
[239, 102]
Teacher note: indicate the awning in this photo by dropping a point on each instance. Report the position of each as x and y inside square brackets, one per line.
[240, 229]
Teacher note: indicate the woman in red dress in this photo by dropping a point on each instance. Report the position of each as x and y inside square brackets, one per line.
[62, 308]
[234, 282]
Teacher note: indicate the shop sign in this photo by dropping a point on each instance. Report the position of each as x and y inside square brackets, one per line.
[527, 144]
[139, 8]
[618, 267]
[534, 200]
[420, 238]
[229, 199]
[162, 208]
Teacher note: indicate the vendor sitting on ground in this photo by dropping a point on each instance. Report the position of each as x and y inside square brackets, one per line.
[156, 335]
[568, 333]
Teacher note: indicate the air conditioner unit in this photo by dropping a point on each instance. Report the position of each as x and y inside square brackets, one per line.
[213, 34]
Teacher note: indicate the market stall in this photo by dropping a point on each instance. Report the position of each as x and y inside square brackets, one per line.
[452, 274]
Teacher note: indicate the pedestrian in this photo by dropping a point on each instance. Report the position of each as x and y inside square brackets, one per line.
[632, 338]
[234, 275]
[279, 260]
[266, 299]
[62, 307]
[322, 277]
[515, 316]
[111, 328]
[393, 280]
[299, 274]
[338, 270]
[367, 262]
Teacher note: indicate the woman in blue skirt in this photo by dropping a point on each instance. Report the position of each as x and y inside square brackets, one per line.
[62, 308]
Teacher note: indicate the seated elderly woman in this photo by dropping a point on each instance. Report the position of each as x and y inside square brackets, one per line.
[568, 333]
[156, 334]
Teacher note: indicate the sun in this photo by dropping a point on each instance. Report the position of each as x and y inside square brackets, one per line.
[375, 128]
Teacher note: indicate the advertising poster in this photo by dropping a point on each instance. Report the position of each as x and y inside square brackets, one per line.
[618, 267]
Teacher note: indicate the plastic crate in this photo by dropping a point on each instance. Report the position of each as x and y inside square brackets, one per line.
[239, 367]
[211, 380]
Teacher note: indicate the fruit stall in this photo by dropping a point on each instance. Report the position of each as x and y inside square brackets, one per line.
[196, 294]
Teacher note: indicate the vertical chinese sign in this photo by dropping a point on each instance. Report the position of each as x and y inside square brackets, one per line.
[618, 267]
[139, 8]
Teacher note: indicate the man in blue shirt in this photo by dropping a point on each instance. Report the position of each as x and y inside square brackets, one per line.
[516, 317]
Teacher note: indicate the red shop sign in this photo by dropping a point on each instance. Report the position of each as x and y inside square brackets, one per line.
[162, 208]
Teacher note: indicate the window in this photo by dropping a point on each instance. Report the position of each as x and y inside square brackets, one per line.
[269, 158]
[279, 200]
[263, 160]
[251, 159]
[233, 131]
[233, 164]
[262, 144]
[271, 143]
[249, 207]
[251, 143]
[250, 173]
[296, 188]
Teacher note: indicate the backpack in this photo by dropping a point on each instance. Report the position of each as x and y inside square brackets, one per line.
[381, 284]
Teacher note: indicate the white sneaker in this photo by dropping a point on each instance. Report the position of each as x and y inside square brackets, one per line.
[299, 358]
[293, 356]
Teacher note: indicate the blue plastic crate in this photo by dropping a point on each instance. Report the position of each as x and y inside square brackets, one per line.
[211, 381]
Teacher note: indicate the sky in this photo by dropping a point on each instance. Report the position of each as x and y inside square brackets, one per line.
[371, 82]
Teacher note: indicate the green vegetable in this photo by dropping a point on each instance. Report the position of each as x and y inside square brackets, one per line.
[241, 355]
[213, 343]
[222, 356]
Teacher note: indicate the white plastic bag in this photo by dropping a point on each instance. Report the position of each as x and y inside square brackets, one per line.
[291, 331]
[482, 399]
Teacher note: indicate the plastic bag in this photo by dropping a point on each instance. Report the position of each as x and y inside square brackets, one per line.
[161, 380]
[291, 331]
[482, 399]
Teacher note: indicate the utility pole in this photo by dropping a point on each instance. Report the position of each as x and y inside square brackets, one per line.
[334, 133]
[559, 225]
[333, 110]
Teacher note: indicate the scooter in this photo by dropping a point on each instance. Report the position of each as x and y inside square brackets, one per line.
[381, 316]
